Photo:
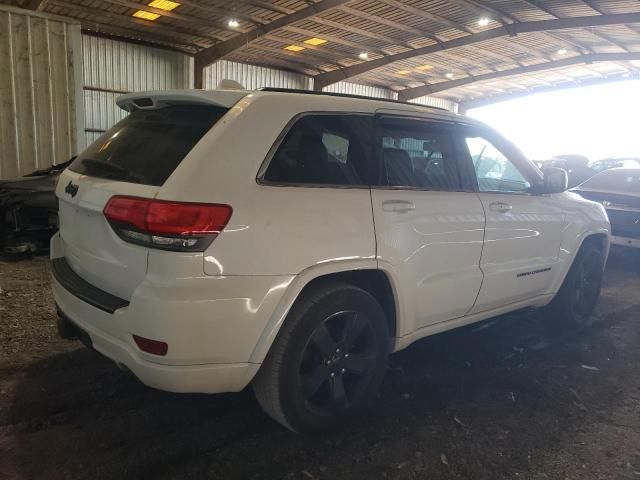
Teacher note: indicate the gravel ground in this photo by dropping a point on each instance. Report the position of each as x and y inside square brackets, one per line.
[514, 398]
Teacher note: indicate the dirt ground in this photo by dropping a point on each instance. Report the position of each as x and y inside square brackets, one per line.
[514, 398]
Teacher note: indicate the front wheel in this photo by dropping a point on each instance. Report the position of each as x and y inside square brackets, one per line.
[578, 296]
[327, 361]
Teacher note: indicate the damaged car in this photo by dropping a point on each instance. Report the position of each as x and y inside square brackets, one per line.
[29, 211]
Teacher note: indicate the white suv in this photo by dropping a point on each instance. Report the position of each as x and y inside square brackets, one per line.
[293, 240]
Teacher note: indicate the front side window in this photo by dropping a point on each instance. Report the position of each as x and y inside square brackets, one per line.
[495, 172]
[323, 150]
[417, 154]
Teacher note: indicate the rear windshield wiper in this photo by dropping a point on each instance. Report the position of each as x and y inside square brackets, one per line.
[116, 171]
[102, 165]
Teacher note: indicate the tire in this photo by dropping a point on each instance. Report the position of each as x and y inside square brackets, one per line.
[578, 296]
[327, 361]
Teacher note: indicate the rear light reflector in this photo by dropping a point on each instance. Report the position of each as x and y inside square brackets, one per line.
[166, 225]
[154, 347]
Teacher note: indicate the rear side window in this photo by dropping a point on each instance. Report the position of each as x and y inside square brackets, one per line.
[148, 145]
[418, 154]
[323, 150]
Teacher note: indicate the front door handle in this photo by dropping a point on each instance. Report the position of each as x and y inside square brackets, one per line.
[398, 206]
[500, 207]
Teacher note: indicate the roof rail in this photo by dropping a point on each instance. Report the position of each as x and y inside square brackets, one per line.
[345, 95]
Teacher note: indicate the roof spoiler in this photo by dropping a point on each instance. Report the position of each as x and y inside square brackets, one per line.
[157, 99]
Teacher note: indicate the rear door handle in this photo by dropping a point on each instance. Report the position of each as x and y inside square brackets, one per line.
[500, 207]
[398, 206]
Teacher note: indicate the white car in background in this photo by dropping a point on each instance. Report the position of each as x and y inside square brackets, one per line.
[293, 240]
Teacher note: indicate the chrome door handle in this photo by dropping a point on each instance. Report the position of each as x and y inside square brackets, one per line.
[398, 206]
[500, 207]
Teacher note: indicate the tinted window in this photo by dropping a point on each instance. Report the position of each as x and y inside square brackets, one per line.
[323, 150]
[148, 145]
[417, 154]
[615, 180]
[495, 172]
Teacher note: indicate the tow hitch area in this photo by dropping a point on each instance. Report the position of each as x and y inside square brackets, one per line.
[70, 331]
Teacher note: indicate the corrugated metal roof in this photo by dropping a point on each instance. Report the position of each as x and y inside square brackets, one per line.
[381, 28]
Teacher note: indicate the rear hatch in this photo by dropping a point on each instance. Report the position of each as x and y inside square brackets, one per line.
[134, 158]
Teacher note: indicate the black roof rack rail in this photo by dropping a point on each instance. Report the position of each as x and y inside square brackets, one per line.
[345, 95]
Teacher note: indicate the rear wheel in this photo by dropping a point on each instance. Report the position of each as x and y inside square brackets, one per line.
[578, 296]
[327, 361]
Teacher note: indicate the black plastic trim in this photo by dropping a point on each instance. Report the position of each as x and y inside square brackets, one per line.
[82, 289]
[346, 95]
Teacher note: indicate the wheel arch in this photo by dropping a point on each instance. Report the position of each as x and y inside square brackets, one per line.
[363, 274]
[598, 238]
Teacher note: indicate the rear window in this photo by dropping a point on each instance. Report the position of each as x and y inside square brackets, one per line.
[148, 145]
[323, 150]
[615, 181]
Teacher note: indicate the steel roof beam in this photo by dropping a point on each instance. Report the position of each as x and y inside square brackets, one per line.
[425, 15]
[410, 93]
[133, 35]
[389, 23]
[191, 20]
[333, 39]
[512, 29]
[488, 100]
[34, 4]
[506, 18]
[602, 36]
[211, 54]
[177, 33]
[268, 6]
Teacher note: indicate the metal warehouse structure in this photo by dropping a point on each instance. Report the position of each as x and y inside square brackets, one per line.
[464, 50]
[453, 54]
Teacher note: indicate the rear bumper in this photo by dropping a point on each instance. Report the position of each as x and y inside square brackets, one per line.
[211, 325]
[73, 283]
[216, 378]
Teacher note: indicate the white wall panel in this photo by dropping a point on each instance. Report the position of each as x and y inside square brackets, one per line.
[357, 89]
[252, 76]
[40, 101]
[381, 92]
[437, 102]
[111, 68]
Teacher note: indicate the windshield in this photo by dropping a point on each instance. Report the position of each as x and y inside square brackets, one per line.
[148, 145]
[615, 181]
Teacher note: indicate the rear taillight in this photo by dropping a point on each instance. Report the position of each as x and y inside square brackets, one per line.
[166, 225]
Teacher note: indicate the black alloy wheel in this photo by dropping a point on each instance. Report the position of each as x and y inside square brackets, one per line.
[338, 363]
[328, 359]
[578, 297]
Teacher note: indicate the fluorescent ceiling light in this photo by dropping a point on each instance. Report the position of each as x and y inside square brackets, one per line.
[315, 41]
[167, 5]
[294, 48]
[146, 15]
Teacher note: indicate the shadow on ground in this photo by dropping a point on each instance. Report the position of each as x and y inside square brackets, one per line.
[520, 394]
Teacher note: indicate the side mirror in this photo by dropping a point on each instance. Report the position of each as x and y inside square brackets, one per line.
[555, 180]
